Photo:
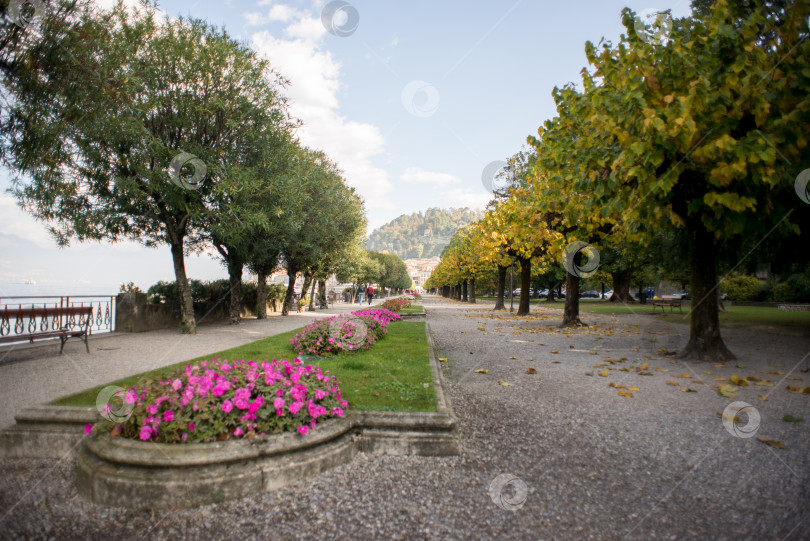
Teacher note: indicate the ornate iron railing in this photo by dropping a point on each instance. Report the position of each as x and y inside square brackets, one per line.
[24, 322]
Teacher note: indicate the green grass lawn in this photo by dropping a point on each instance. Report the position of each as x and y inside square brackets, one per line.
[413, 309]
[735, 316]
[391, 376]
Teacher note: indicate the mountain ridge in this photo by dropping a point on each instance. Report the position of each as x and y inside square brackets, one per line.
[421, 234]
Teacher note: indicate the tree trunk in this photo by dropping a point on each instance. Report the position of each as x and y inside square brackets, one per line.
[305, 286]
[261, 294]
[324, 300]
[472, 290]
[235, 267]
[571, 310]
[550, 295]
[292, 271]
[621, 286]
[312, 297]
[501, 287]
[464, 291]
[705, 341]
[188, 323]
[525, 285]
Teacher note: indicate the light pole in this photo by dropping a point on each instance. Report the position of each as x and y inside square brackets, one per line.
[511, 287]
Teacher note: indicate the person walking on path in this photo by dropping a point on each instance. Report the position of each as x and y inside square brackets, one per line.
[370, 293]
[360, 292]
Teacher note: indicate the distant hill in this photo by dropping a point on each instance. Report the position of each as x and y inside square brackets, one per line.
[421, 235]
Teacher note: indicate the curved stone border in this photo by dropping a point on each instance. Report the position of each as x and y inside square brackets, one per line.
[128, 473]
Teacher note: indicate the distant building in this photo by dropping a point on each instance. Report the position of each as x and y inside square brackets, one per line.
[420, 269]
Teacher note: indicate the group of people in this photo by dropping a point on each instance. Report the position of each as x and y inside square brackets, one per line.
[367, 290]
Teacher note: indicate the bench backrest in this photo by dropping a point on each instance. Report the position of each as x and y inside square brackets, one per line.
[670, 298]
[46, 311]
[43, 319]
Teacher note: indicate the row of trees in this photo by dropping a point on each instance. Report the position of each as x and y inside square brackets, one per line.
[685, 148]
[125, 125]
[386, 270]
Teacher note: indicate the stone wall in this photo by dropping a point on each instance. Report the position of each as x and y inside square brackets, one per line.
[133, 313]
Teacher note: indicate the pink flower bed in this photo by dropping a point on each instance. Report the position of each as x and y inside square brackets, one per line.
[395, 305]
[336, 334]
[218, 400]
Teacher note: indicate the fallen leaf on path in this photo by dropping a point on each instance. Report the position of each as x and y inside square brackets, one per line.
[625, 393]
[645, 366]
[776, 372]
[791, 419]
[686, 376]
[662, 370]
[603, 373]
[589, 373]
[719, 379]
[442, 359]
[709, 372]
[762, 397]
[797, 378]
[764, 383]
[675, 383]
[645, 373]
[773, 443]
[735, 380]
[719, 366]
[688, 390]
[798, 390]
[505, 384]
[531, 371]
[729, 391]
[481, 371]
[740, 365]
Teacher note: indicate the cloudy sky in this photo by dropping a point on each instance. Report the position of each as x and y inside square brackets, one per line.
[412, 99]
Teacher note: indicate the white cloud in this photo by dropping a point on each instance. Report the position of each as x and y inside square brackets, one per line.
[15, 221]
[280, 12]
[465, 197]
[416, 175]
[314, 76]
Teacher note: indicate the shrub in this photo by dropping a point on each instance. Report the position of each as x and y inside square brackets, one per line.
[741, 288]
[396, 305]
[129, 288]
[217, 400]
[336, 334]
[795, 289]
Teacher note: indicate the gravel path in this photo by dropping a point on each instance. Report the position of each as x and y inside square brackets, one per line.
[595, 465]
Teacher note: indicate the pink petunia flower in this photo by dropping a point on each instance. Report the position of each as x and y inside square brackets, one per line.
[146, 433]
[227, 406]
[168, 416]
[303, 430]
[88, 429]
[238, 431]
